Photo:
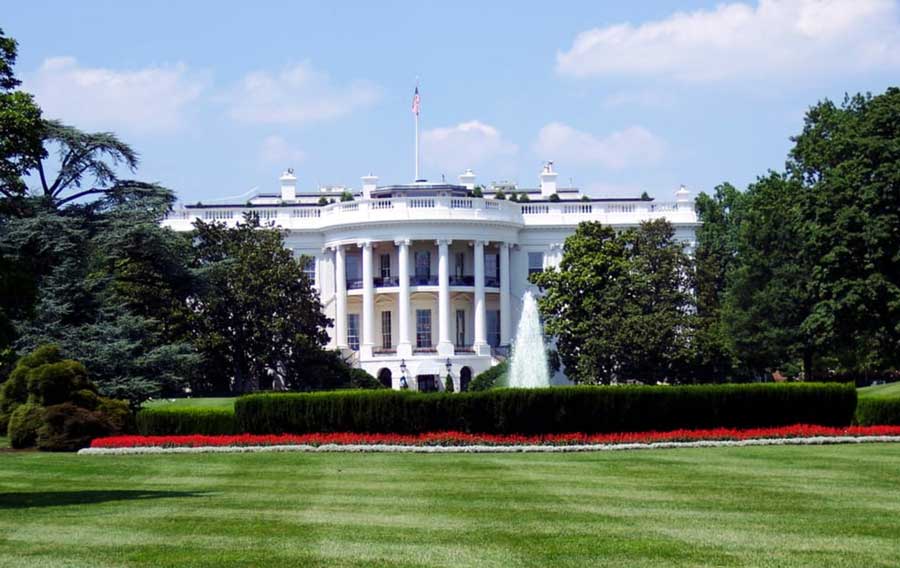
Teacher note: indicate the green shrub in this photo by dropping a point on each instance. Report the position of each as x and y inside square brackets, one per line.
[877, 411]
[117, 414]
[552, 410]
[56, 383]
[448, 383]
[67, 428]
[24, 424]
[554, 197]
[489, 379]
[14, 391]
[185, 420]
[360, 379]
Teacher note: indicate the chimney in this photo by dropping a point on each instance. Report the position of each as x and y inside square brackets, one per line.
[288, 185]
[682, 195]
[548, 180]
[370, 182]
[467, 178]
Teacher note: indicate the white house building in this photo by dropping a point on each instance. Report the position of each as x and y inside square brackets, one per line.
[424, 279]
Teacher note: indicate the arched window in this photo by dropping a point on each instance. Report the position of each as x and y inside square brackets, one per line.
[384, 377]
[465, 375]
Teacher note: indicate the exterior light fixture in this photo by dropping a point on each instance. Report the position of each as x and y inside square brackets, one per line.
[448, 364]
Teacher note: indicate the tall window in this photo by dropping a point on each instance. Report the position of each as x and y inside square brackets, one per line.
[354, 267]
[353, 331]
[423, 265]
[386, 330]
[535, 263]
[459, 267]
[423, 328]
[491, 261]
[460, 328]
[309, 268]
[493, 327]
[385, 266]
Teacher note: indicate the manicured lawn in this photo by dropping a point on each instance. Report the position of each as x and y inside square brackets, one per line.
[890, 390]
[785, 506]
[227, 402]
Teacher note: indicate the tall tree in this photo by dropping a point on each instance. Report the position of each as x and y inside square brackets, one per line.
[256, 310]
[768, 296]
[715, 257]
[21, 127]
[847, 160]
[620, 304]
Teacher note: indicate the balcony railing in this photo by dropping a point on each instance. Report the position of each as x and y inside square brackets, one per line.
[393, 281]
[384, 351]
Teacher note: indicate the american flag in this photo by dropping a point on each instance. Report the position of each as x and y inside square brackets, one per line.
[415, 105]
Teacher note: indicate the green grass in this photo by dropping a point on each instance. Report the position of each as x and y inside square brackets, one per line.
[890, 390]
[784, 506]
[222, 402]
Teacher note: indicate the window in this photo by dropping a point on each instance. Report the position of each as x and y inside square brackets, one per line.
[493, 328]
[423, 264]
[353, 331]
[459, 268]
[354, 267]
[426, 383]
[385, 266]
[535, 263]
[386, 330]
[491, 262]
[460, 328]
[309, 268]
[423, 328]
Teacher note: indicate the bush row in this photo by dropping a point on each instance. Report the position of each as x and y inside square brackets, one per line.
[185, 420]
[547, 411]
[878, 411]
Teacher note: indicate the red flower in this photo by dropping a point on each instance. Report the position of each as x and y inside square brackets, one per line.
[450, 438]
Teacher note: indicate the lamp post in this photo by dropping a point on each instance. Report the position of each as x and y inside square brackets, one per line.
[403, 384]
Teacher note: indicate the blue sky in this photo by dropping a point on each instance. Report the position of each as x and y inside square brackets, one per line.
[220, 97]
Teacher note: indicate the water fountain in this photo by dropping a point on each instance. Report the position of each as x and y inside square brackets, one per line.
[528, 364]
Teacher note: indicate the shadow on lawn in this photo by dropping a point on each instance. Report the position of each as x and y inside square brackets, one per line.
[25, 500]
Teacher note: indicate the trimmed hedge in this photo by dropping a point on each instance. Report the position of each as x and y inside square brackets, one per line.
[875, 411]
[185, 420]
[548, 411]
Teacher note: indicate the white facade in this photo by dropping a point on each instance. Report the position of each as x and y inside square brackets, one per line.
[423, 279]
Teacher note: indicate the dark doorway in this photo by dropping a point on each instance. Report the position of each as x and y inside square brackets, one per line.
[465, 376]
[426, 383]
[384, 377]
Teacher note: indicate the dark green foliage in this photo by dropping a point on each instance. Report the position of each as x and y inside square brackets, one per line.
[323, 200]
[554, 197]
[346, 196]
[500, 195]
[619, 304]
[448, 383]
[478, 191]
[24, 424]
[513, 197]
[56, 383]
[554, 410]
[185, 420]
[117, 414]
[523, 198]
[67, 428]
[875, 411]
[359, 379]
[490, 378]
[14, 391]
[645, 196]
[257, 310]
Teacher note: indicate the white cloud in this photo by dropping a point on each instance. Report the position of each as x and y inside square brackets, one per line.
[295, 95]
[634, 145]
[277, 150]
[466, 145]
[777, 37]
[148, 99]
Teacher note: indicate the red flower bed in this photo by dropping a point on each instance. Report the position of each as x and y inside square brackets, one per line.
[464, 439]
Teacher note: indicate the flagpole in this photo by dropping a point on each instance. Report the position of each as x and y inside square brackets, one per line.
[417, 148]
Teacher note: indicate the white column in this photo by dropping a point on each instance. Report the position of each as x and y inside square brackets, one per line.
[505, 315]
[444, 347]
[404, 346]
[340, 293]
[480, 345]
[368, 315]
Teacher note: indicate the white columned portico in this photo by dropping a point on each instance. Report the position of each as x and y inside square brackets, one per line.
[368, 319]
[340, 301]
[444, 347]
[404, 345]
[480, 345]
[505, 315]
